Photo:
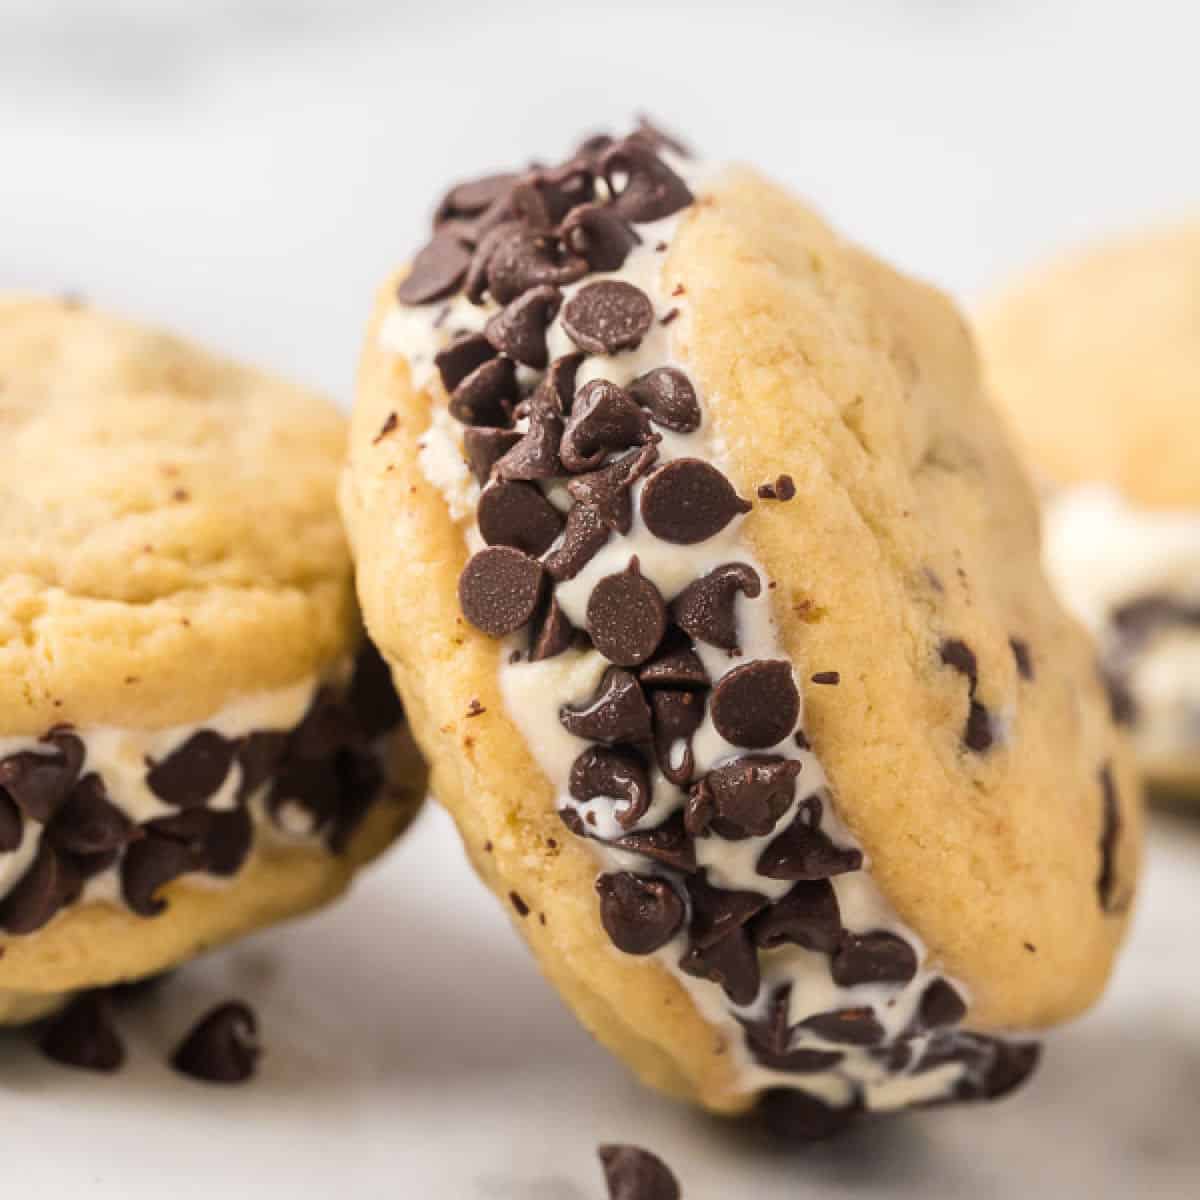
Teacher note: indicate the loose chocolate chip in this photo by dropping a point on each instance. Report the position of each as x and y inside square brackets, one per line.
[677, 715]
[464, 354]
[518, 515]
[1022, 657]
[519, 330]
[978, 734]
[639, 913]
[744, 798]
[796, 1116]
[222, 1047]
[940, 1005]
[756, 705]
[499, 590]
[626, 616]
[732, 963]
[604, 419]
[88, 822]
[676, 665]
[487, 395]
[371, 695]
[618, 712]
[803, 851]
[51, 882]
[188, 776]
[11, 824]
[847, 1027]
[608, 316]
[705, 608]
[552, 634]
[38, 783]
[650, 191]
[524, 259]
[485, 447]
[875, 957]
[716, 912]
[83, 1035]
[770, 1040]
[807, 916]
[961, 657]
[669, 397]
[635, 1174]
[474, 196]
[687, 501]
[596, 233]
[607, 491]
[669, 844]
[1110, 832]
[613, 774]
[437, 271]
[583, 536]
[535, 455]
[150, 863]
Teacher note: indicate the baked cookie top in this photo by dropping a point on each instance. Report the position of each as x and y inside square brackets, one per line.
[1096, 358]
[169, 539]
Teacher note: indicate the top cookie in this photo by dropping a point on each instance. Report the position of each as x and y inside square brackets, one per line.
[168, 516]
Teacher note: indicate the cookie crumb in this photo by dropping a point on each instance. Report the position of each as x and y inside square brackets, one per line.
[475, 709]
[830, 678]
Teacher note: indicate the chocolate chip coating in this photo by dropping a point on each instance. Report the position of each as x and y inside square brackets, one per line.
[756, 705]
[608, 316]
[688, 501]
[499, 590]
[640, 913]
[626, 617]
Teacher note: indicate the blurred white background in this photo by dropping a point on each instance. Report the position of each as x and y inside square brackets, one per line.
[246, 172]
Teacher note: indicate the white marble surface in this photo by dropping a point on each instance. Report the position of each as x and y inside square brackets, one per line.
[246, 172]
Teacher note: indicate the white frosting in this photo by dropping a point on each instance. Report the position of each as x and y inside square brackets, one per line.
[535, 692]
[1102, 552]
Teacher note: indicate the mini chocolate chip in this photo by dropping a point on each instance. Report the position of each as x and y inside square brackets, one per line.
[651, 190]
[50, 882]
[484, 447]
[876, 957]
[535, 455]
[669, 845]
[940, 1005]
[829, 678]
[743, 798]
[552, 633]
[756, 705]
[803, 851]
[524, 259]
[519, 905]
[677, 715]
[978, 734]
[607, 491]
[583, 536]
[1110, 832]
[626, 616]
[222, 1047]
[83, 1035]
[705, 608]
[716, 912]
[688, 501]
[770, 1040]
[608, 316]
[371, 695]
[474, 196]
[188, 776]
[1022, 657]
[732, 963]
[961, 657]
[632, 1173]
[676, 665]
[217, 841]
[783, 488]
[11, 824]
[614, 774]
[618, 712]
[796, 1116]
[847, 1027]
[88, 822]
[499, 590]
[596, 233]
[639, 913]
[38, 783]
[604, 419]
[150, 863]
[437, 271]
[519, 330]
[259, 754]
[518, 515]
[668, 395]
[807, 916]
[464, 354]
[487, 395]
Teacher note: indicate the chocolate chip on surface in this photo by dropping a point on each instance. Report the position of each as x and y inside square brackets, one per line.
[783, 489]
[484, 447]
[688, 501]
[12, 825]
[371, 695]
[668, 844]
[743, 798]
[706, 608]
[222, 1047]
[524, 259]
[978, 734]
[519, 329]
[640, 913]
[796, 1116]
[608, 316]
[149, 864]
[957, 654]
[828, 678]
[669, 397]
[597, 234]
[535, 454]
[618, 712]
[87, 822]
[50, 883]
[650, 190]
[675, 665]
[604, 419]
[437, 271]
[626, 616]
[732, 963]
[463, 355]
[217, 842]
[770, 1039]
[487, 395]
[1110, 832]
[607, 491]
[518, 515]
[38, 783]
[552, 633]
[632, 1173]
[803, 851]
[678, 713]
[807, 916]
[499, 590]
[756, 705]
[847, 1027]
[82, 1035]
[1022, 656]
[584, 535]
[472, 197]
[716, 912]
[940, 1005]
[876, 957]
[617, 774]
[189, 775]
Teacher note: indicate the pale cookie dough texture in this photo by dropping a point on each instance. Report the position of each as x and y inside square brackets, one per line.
[932, 850]
[189, 748]
[1096, 360]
